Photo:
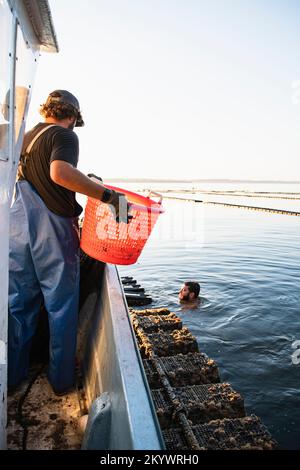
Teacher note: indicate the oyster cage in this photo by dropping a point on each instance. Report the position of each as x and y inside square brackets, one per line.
[184, 369]
[228, 434]
[167, 343]
[202, 403]
[154, 323]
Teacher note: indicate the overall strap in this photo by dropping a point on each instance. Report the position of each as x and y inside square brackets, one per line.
[25, 156]
[31, 144]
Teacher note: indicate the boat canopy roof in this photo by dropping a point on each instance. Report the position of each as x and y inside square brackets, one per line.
[39, 16]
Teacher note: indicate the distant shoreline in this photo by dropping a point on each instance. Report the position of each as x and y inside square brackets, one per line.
[164, 180]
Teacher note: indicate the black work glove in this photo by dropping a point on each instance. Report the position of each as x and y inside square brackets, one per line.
[120, 207]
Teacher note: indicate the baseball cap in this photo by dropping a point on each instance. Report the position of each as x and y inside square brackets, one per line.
[64, 96]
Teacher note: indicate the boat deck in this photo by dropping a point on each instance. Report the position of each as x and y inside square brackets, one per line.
[51, 422]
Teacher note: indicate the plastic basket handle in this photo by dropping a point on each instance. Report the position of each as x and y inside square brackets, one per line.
[156, 195]
[95, 177]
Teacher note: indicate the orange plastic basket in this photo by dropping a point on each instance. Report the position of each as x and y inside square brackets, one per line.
[106, 240]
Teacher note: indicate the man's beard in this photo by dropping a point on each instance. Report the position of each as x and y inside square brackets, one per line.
[185, 298]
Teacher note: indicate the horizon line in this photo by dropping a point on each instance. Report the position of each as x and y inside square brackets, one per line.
[211, 180]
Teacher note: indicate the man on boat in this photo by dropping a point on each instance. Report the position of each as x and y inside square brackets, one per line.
[44, 241]
[189, 293]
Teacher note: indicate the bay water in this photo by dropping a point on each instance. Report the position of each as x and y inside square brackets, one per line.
[247, 263]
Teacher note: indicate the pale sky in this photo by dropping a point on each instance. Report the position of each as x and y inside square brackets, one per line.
[180, 88]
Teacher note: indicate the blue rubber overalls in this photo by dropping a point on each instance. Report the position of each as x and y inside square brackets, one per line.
[43, 265]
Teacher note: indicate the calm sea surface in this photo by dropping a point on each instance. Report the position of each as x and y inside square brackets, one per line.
[248, 265]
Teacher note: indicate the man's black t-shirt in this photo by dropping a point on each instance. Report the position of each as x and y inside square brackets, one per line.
[56, 143]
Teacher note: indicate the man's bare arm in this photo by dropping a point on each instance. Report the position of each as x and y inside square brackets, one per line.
[64, 174]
